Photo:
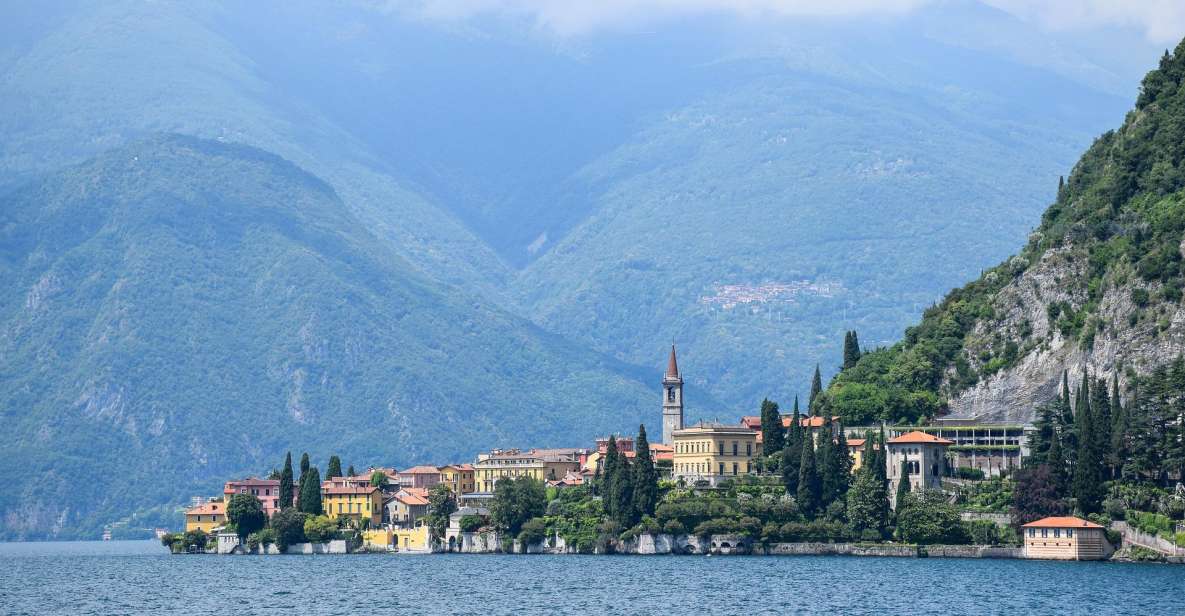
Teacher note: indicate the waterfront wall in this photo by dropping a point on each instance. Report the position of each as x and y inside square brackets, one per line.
[1132, 536]
[337, 546]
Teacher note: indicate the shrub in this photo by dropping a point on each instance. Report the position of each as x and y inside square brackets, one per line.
[983, 532]
[470, 523]
[674, 527]
[870, 535]
[533, 531]
[319, 529]
[288, 526]
[966, 472]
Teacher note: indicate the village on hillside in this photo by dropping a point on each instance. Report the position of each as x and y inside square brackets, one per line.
[455, 507]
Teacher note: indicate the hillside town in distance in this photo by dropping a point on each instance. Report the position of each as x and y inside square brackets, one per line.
[830, 489]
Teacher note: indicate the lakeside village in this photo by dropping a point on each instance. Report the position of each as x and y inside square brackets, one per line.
[795, 483]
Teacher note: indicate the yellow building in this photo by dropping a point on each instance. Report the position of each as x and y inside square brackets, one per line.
[205, 517]
[711, 452]
[378, 538]
[414, 539]
[459, 478]
[541, 464]
[1066, 538]
[356, 503]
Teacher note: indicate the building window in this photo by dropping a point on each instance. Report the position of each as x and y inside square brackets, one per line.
[1069, 532]
[748, 449]
[734, 468]
[721, 468]
[734, 449]
[720, 447]
[670, 394]
[1044, 533]
[1057, 533]
[1032, 532]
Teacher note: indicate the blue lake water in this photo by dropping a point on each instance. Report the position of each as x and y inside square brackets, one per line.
[139, 577]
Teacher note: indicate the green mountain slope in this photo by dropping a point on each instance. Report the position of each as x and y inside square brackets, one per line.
[758, 224]
[1097, 288]
[178, 311]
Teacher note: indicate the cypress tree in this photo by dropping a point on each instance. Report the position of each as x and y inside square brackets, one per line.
[286, 487]
[351, 472]
[1043, 436]
[792, 452]
[622, 492]
[1119, 432]
[605, 485]
[851, 349]
[1056, 460]
[772, 433]
[1100, 421]
[335, 467]
[843, 463]
[825, 463]
[1087, 484]
[809, 487]
[304, 475]
[310, 492]
[645, 476]
[903, 486]
[816, 389]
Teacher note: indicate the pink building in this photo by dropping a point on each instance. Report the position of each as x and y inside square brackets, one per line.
[266, 490]
[422, 476]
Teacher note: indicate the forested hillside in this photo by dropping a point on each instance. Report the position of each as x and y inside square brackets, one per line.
[1096, 290]
[178, 311]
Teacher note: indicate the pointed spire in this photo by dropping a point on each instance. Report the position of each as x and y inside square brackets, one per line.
[672, 365]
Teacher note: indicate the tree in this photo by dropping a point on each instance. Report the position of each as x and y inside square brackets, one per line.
[1057, 466]
[516, 501]
[310, 492]
[927, 518]
[378, 479]
[335, 467]
[304, 464]
[621, 493]
[809, 488]
[286, 487]
[645, 483]
[903, 486]
[319, 528]
[441, 504]
[1045, 432]
[772, 433]
[868, 502]
[246, 513]
[851, 349]
[816, 389]
[351, 472]
[825, 464]
[288, 523]
[1087, 485]
[842, 464]
[792, 452]
[1117, 450]
[1034, 495]
[608, 473]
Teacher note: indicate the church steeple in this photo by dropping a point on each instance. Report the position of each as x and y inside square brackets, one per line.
[672, 400]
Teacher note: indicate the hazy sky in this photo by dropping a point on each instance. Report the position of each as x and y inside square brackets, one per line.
[1160, 21]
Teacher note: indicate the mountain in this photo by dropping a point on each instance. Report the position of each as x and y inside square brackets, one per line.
[178, 311]
[1096, 289]
[506, 227]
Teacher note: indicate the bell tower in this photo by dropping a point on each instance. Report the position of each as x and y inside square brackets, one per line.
[672, 400]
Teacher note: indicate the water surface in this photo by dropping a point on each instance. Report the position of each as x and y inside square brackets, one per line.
[139, 577]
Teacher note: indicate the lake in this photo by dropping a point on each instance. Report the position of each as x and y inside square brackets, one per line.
[138, 577]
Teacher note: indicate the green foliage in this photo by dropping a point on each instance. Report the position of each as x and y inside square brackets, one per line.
[441, 504]
[334, 468]
[533, 531]
[772, 432]
[983, 532]
[471, 523]
[310, 492]
[791, 464]
[810, 487]
[378, 479]
[246, 513]
[868, 503]
[286, 486]
[926, 518]
[645, 478]
[517, 500]
[994, 495]
[319, 528]
[288, 525]
[967, 472]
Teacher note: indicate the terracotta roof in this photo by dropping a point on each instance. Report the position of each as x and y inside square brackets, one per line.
[855, 442]
[206, 509]
[1062, 522]
[350, 490]
[422, 469]
[461, 467]
[917, 436]
[753, 422]
[417, 491]
[252, 482]
[660, 447]
[672, 365]
[408, 498]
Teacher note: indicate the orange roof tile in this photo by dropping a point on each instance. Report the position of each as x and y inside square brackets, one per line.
[855, 442]
[408, 498]
[422, 469]
[1061, 522]
[206, 509]
[350, 490]
[753, 422]
[917, 436]
[659, 447]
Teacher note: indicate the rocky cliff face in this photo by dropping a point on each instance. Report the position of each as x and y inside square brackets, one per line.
[1130, 339]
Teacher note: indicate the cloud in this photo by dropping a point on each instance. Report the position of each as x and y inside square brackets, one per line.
[1162, 21]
